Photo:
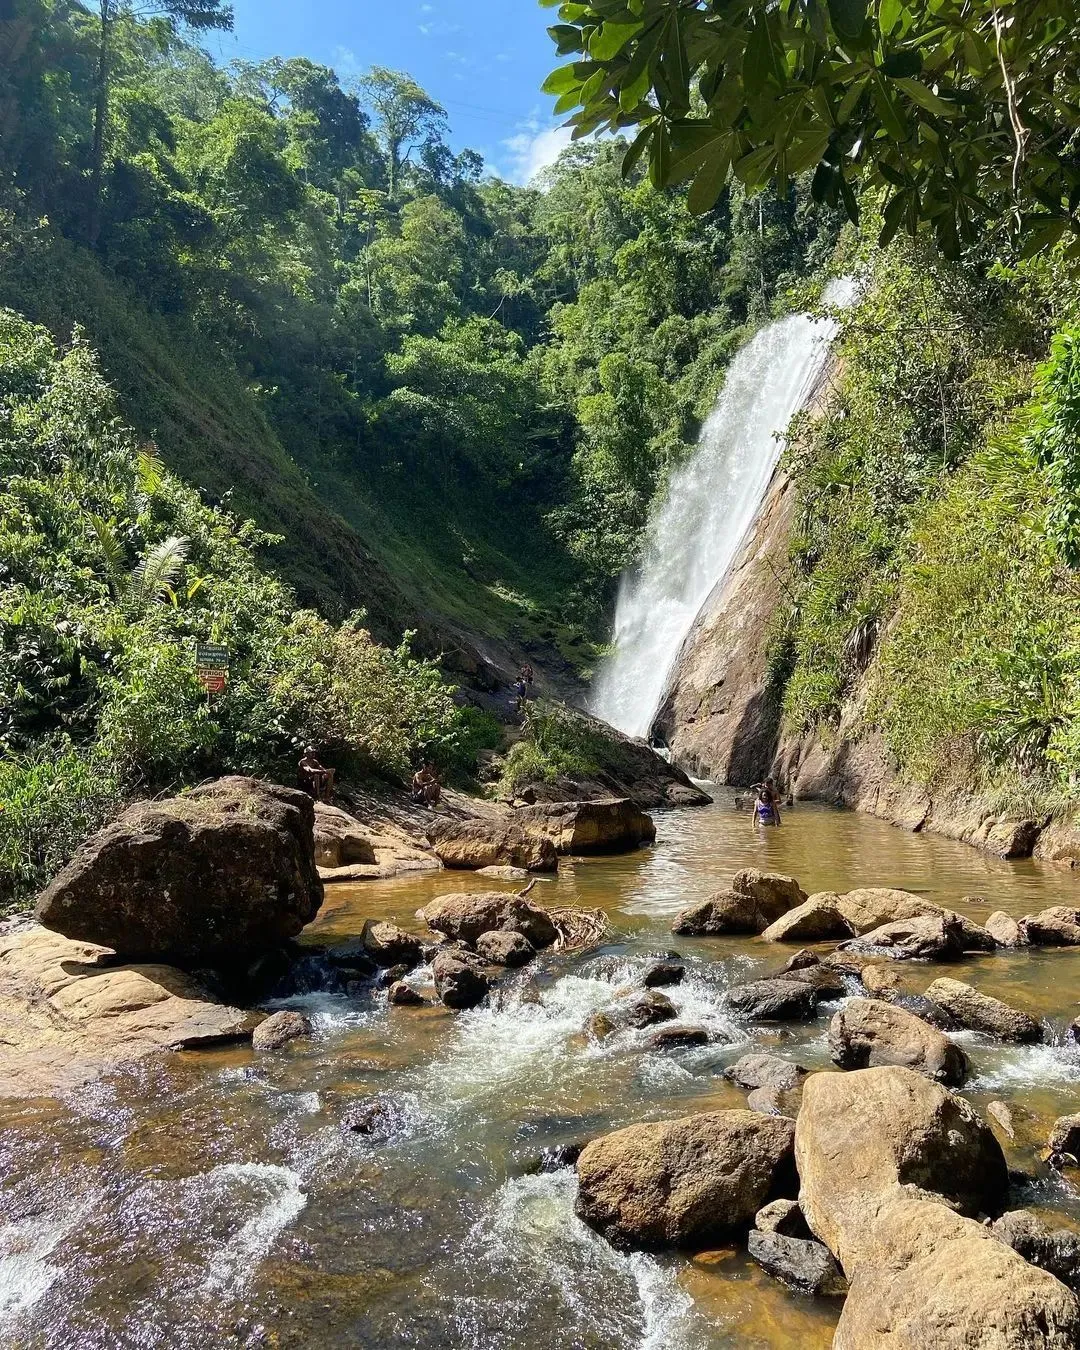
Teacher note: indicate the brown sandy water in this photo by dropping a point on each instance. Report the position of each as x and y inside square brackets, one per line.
[212, 1199]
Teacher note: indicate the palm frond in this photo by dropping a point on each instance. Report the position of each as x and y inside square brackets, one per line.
[112, 550]
[149, 468]
[153, 578]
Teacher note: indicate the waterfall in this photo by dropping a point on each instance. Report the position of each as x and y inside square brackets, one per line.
[694, 533]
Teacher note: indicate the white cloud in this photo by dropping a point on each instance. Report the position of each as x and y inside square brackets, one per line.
[534, 148]
[345, 63]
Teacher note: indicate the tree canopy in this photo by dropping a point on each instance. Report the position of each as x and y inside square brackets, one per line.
[961, 113]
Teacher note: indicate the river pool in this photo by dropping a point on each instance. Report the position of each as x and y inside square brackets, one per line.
[213, 1198]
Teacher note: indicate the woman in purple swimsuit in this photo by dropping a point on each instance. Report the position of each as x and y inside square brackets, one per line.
[766, 805]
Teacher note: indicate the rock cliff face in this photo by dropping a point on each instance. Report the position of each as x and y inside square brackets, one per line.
[721, 717]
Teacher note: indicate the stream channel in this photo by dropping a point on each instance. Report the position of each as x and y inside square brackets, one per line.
[213, 1199]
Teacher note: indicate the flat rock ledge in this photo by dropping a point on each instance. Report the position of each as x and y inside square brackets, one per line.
[68, 1015]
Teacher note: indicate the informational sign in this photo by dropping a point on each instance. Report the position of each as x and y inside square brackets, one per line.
[212, 661]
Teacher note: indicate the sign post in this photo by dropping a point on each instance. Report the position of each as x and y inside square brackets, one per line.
[212, 661]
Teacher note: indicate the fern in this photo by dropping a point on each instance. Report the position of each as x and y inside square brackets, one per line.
[152, 580]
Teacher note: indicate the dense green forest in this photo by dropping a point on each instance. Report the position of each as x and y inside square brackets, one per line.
[446, 403]
[281, 369]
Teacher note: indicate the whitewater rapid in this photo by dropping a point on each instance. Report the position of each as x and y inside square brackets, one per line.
[695, 532]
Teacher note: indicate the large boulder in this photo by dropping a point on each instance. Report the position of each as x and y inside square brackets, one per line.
[868, 1033]
[783, 1000]
[491, 842]
[608, 825]
[340, 839]
[980, 1012]
[684, 1182]
[932, 1278]
[754, 901]
[868, 907]
[1058, 926]
[69, 1013]
[861, 1134]
[724, 912]
[225, 872]
[463, 916]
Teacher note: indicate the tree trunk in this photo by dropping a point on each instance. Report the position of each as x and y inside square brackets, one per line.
[101, 114]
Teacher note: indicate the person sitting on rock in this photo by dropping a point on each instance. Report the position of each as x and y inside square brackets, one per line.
[426, 788]
[315, 777]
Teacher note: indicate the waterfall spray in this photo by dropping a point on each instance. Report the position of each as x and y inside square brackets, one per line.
[695, 533]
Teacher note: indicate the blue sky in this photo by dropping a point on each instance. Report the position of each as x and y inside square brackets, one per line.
[484, 63]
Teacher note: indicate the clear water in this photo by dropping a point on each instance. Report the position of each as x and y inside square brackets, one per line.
[212, 1198]
[711, 502]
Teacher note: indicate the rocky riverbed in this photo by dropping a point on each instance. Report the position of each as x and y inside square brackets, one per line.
[392, 1171]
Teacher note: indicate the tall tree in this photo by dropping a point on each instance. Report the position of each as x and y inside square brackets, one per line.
[405, 116]
[195, 14]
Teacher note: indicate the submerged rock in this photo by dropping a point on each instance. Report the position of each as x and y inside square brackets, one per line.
[69, 1013]
[491, 842]
[683, 1182]
[883, 982]
[868, 1033]
[980, 1012]
[380, 1118]
[678, 1037]
[211, 878]
[465, 916]
[774, 1000]
[802, 1264]
[279, 1028]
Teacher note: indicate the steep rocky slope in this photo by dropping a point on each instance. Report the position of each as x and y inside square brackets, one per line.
[722, 717]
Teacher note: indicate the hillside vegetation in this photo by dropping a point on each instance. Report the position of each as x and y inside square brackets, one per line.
[933, 560]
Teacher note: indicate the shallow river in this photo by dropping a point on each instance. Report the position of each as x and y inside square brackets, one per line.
[213, 1199]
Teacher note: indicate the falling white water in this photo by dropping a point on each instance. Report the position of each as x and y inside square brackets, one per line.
[711, 502]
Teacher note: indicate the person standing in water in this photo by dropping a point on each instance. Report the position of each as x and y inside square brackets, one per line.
[766, 804]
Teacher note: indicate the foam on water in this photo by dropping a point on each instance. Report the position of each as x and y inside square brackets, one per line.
[999, 1068]
[276, 1198]
[628, 1300]
[26, 1270]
